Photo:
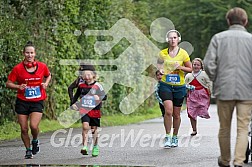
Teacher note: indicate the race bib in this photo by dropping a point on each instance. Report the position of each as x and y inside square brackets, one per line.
[88, 101]
[173, 78]
[32, 92]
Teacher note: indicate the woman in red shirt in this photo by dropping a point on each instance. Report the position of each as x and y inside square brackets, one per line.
[30, 78]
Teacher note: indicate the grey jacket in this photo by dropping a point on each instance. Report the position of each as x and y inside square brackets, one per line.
[228, 63]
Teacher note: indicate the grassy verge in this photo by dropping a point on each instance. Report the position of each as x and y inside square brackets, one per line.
[11, 130]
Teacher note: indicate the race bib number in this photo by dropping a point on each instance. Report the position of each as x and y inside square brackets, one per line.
[88, 101]
[173, 78]
[32, 92]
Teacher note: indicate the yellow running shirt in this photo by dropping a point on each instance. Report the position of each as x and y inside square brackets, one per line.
[172, 76]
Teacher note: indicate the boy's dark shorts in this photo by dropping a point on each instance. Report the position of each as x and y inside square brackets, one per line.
[91, 121]
[174, 93]
[27, 107]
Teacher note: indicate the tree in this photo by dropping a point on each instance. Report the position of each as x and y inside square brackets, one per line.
[199, 20]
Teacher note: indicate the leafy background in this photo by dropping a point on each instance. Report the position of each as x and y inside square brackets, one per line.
[51, 24]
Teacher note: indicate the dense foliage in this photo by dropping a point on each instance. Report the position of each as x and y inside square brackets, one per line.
[56, 27]
[199, 20]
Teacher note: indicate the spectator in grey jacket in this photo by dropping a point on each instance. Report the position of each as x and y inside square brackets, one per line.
[228, 63]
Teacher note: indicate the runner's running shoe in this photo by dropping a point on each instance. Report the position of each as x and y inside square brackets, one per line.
[95, 151]
[167, 142]
[174, 141]
[35, 147]
[84, 150]
[28, 154]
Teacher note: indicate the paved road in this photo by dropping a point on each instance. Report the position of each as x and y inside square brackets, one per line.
[131, 145]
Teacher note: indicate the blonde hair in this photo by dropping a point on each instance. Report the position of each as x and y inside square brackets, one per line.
[201, 62]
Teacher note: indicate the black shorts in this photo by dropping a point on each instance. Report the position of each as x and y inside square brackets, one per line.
[91, 121]
[27, 107]
[174, 93]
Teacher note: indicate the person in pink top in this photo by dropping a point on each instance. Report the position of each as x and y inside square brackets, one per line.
[198, 99]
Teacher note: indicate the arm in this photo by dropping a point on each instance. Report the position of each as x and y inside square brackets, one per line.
[11, 82]
[73, 85]
[187, 78]
[210, 60]
[160, 65]
[100, 95]
[47, 80]
[186, 68]
[12, 85]
[74, 103]
[104, 98]
[76, 96]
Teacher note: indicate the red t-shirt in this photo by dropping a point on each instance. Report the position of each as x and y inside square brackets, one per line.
[34, 91]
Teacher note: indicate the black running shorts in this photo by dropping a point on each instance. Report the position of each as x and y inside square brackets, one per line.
[27, 107]
[91, 121]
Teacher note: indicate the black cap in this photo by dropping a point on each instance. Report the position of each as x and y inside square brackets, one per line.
[86, 67]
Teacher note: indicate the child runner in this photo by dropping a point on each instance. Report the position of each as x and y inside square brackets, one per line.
[91, 93]
[198, 100]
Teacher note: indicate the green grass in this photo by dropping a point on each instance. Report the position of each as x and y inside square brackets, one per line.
[122, 119]
[11, 130]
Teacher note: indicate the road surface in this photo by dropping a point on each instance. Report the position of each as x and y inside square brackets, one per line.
[138, 144]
